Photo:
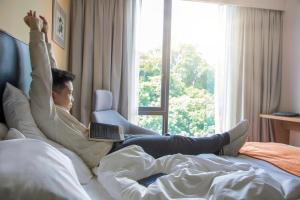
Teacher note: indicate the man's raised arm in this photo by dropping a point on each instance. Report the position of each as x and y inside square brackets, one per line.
[42, 105]
[49, 47]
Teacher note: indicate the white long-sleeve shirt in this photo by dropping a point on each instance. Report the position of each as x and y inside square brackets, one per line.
[56, 122]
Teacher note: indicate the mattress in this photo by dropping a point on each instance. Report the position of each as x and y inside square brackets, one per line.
[276, 172]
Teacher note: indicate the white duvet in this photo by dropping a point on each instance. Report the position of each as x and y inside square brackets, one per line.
[188, 177]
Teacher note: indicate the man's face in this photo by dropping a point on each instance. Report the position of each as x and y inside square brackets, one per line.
[64, 97]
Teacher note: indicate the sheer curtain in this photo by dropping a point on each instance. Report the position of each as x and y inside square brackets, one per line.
[102, 54]
[249, 80]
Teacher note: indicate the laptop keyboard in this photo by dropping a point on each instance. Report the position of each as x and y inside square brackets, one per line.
[104, 131]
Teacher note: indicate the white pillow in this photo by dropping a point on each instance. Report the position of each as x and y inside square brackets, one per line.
[14, 134]
[83, 172]
[3, 130]
[18, 115]
[32, 169]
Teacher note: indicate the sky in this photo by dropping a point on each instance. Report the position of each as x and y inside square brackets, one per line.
[193, 22]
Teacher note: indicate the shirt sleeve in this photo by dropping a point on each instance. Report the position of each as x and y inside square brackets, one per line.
[51, 56]
[42, 105]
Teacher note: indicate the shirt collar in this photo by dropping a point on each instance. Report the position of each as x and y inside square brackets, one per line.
[62, 108]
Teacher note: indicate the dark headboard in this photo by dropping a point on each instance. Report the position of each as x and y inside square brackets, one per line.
[15, 66]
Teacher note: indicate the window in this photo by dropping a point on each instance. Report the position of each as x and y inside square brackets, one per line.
[152, 122]
[150, 53]
[176, 66]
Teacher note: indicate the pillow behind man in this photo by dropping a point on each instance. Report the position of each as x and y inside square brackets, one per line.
[14, 134]
[18, 115]
[3, 130]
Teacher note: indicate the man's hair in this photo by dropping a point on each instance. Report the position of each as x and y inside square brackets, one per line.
[59, 78]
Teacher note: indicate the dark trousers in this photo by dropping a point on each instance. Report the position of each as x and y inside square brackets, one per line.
[158, 146]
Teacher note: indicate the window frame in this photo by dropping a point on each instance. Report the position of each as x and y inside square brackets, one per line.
[163, 110]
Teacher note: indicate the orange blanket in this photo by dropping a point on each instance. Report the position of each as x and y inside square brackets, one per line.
[283, 156]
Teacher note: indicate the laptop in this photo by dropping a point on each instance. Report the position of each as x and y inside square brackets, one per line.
[106, 132]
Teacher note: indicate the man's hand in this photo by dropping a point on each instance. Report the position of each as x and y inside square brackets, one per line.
[44, 27]
[45, 24]
[32, 21]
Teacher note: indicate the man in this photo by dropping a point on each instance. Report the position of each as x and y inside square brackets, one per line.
[51, 101]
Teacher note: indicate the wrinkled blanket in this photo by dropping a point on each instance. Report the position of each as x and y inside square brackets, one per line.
[192, 177]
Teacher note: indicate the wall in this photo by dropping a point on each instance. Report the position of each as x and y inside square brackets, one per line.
[290, 95]
[12, 13]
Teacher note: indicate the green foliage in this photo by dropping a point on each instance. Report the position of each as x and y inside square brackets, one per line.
[152, 122]
[192, 114]
[192, 69]
[150, 79]
[191, 92]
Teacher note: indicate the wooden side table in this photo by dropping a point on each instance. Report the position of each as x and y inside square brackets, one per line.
[283, 126]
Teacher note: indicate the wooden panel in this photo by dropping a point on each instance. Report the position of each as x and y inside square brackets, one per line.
[282, 134]
[283, 126]
[289, 119]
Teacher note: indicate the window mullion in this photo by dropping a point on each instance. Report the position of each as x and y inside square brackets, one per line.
[166, 62]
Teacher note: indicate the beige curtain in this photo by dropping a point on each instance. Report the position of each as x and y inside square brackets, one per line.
[101, 53]
[249, 81]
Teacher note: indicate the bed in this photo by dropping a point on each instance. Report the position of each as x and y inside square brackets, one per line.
[15, 68]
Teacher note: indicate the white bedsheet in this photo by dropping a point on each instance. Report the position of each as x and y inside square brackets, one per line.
[202, 177]
[96, 190]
